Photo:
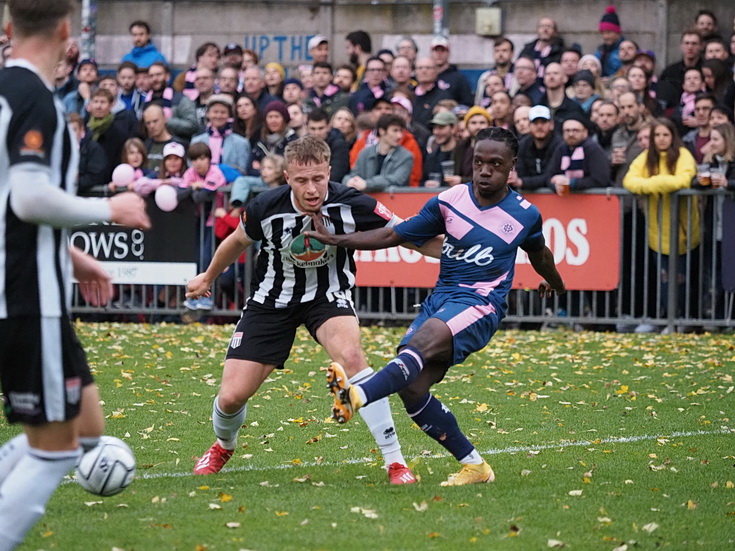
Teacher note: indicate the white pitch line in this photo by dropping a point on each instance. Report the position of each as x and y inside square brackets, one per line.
[494, 451]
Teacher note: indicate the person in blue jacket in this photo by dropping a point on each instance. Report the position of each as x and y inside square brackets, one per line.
[144, 52]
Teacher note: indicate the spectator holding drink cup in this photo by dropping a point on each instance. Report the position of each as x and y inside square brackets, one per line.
[579, 162]
[719, 157]
[704, 176]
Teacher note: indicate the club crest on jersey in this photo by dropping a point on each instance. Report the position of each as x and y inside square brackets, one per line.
[508, 228]
[236, 339]
[308, 252]
[383, 211]
[33, 144]
[73, 390]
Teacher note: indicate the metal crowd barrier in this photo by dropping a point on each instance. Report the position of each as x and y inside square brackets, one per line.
[642, 298]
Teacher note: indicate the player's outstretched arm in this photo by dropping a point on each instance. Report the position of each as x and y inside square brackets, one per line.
[94, 283]
[380, 238]
[225, 255]
[543, 262]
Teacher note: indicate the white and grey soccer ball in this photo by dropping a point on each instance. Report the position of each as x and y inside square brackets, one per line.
[108, 468]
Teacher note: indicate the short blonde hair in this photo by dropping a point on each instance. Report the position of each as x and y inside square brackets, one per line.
[308, 150]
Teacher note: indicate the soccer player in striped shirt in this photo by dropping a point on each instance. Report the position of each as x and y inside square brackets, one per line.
[484, 223]
[298, 281]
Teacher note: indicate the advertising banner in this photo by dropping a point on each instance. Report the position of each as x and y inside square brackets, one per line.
[583, 232]
[164, 255]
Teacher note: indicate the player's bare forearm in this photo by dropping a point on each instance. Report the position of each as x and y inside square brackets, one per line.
[543, 262]
[380, 238]
[227, 253]
[432, 248]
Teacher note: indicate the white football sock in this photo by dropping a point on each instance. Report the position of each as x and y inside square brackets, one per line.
[473, 458]
[10, 454]
[24, 494]
[226, 426]
[378, 418]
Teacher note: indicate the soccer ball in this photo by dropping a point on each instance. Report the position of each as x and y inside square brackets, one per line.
[108, 468]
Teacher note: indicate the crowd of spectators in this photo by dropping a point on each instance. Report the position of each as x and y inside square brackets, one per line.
[403, 117]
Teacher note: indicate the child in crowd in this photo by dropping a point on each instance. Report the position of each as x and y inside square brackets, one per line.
[134, 154]
[201, 183]
[171, 171]
[272, 174]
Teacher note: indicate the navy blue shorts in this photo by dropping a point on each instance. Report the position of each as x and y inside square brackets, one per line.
[471, 317]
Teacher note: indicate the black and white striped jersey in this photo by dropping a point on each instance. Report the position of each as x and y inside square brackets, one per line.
[35, 267]
[292, 268]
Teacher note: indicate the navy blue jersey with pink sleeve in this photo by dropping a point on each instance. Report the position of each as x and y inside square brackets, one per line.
[480, 243]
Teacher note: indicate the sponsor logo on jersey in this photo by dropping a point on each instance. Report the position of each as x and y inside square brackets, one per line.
[476, 254]
[383, 211]
[33, 144]
[26, 403]
[308, 252]
[236, 339]
[402, 367]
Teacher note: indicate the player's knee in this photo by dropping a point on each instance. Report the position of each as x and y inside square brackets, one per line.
[230, 402]
[353, 361]
[412, 394]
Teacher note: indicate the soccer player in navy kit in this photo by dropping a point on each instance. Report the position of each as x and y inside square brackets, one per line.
[484, 223]
[46, 383]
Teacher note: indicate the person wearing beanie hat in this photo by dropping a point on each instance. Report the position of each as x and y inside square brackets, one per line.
[583, 85]
[275, 135]
[275, 75]
[612, 35]
[278, 107]
[474, 120]
[474, 111]
[293, 90]
[76, 101]
[578, 162]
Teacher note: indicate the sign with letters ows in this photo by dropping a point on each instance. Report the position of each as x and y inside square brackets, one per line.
[164, 255]
[582, 231]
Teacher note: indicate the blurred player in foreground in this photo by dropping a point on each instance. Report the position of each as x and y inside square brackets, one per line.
[485, 223]
[46, 382]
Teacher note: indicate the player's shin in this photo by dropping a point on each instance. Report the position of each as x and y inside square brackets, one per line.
[379, 419]
[435, 419]
[226, 426]
[395, 376]
[24, 494]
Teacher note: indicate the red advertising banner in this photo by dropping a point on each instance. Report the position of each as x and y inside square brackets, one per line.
[583, 232]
